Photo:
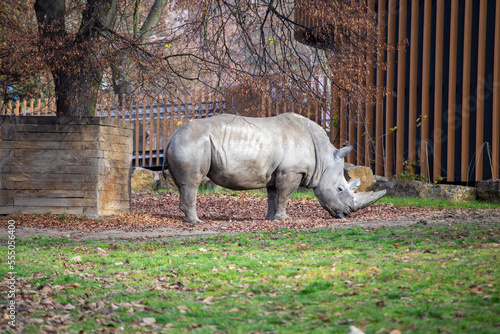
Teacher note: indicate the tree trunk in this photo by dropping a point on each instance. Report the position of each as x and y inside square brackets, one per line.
[120, 76]
[76, 95]
[76, 60]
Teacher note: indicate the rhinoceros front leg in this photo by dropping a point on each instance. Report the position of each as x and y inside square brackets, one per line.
[187, 203]
[279, 195]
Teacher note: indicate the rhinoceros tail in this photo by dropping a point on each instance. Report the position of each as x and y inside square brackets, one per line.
[164, 166]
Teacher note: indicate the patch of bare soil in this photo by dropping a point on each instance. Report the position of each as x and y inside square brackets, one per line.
[158, 215]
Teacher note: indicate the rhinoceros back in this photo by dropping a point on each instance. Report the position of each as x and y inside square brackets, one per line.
[243, 153]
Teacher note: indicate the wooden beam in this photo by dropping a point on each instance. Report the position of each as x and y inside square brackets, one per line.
[412, 116]
[379, 109]
[426, 69]
[466, 91]
[496, 97]
[389, 117]
[400, 116]
[481, 60]
[438, 92]
[452, 93]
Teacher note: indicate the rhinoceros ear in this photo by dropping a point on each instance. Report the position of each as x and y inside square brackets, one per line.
[343, 152]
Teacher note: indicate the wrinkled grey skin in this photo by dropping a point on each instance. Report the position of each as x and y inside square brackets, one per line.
[280, 153]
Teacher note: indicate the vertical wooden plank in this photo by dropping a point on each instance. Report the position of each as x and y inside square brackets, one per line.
[496, 97]
[324, 105]
[426, 69]
[158, 131]
[412, 115]
[144, 128]
[360, 131]
[16, 108]
[151, 132]
[137, 132]
[335, 117]
[31, 107]
[481, 59]
[438, 92]
[37, 108]
[389, 104]
[53, 106]
[269, 106]
[379, 106]
[368, 140]
[262, 105]
[198, 104]
[343, 123]
[400, 116]
[170, 120]
[118, 106]
[185, 103]
[316, 105]
[466, 91]
[352, 133]
[452, 93]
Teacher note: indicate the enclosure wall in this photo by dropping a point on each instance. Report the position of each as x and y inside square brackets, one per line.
[65, 165]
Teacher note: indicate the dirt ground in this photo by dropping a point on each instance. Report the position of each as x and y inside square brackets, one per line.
[156, 215]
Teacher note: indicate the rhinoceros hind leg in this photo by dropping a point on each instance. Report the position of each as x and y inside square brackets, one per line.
[280, 194]
[271, 203]
[187, 204]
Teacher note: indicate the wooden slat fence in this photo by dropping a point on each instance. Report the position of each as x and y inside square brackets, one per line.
[445, 116]
[154, 119]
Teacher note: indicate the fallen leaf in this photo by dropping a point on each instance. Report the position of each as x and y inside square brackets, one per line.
[208, 300]
[69, 307]
[183, 309]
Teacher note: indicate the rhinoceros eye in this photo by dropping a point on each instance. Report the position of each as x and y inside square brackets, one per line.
[340, 189]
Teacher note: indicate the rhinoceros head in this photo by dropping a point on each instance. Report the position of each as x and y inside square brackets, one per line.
[336, 195]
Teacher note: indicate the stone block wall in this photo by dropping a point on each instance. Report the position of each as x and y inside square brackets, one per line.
[65, 165]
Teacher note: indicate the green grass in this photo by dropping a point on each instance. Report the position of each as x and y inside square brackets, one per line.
[419, 279]
[398, 202]
[436, 203]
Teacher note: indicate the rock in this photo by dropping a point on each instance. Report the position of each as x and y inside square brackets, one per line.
[421, 189]
[400, 188]
[379, 178]
[142, 179]
[489, 190]
[363, 173]
[451, 192]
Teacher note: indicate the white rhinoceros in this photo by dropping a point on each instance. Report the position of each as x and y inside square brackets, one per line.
[280, 153]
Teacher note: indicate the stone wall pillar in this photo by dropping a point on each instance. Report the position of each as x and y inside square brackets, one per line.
[65, 165]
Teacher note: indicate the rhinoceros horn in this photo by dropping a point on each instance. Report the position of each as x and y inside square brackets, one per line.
[362, 200]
